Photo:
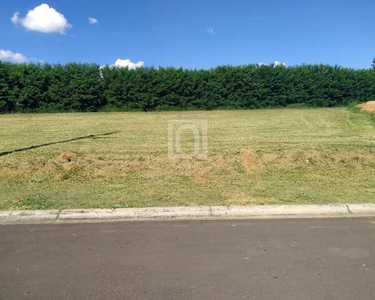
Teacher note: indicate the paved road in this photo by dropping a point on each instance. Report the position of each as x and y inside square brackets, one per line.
[255, 259]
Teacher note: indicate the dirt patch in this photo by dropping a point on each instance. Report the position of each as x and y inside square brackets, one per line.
[67, 157]
[369, 106]
[213, 171]
[200, 175]
[249, 160]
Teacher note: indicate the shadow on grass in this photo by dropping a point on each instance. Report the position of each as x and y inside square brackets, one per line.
[91, 136]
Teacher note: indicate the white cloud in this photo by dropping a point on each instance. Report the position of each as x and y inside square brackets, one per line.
[211, 31]
[279, 64]
[93, 21]
[43, 18]
[15, 18]
[275, 64]
[12, 56]
[126, 63]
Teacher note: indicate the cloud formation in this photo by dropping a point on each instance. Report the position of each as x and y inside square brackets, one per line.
[93, 21]
[275, 64]
[278, 64]
[211, 31]
[8, 55]
[126, 63]
[15, 18]
[43, 18]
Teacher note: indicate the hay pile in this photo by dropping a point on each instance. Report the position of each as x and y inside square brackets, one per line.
[369, 106]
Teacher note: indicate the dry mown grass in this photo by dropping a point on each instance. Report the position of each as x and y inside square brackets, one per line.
[255, 157]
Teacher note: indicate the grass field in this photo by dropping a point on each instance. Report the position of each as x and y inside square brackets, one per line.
[284, 156]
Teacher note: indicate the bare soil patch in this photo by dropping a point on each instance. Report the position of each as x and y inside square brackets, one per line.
[368, 106]
[249, 160]
[67, 157]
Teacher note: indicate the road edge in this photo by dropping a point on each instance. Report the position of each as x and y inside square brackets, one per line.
[10, 217]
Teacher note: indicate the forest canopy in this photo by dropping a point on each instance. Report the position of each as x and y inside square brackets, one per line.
[88, 87]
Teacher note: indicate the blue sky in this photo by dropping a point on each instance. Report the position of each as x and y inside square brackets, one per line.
[194, 33]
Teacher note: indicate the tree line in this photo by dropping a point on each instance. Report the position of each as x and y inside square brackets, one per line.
[88, 87]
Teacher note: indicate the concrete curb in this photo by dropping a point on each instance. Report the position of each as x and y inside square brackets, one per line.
[185, 213]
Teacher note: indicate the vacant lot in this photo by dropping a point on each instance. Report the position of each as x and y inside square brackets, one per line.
[254, 157]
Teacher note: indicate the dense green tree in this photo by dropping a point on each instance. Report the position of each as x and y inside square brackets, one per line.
[85, 87]
[4, 89]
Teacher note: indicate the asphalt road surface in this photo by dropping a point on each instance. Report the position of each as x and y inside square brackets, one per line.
[253, 259]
